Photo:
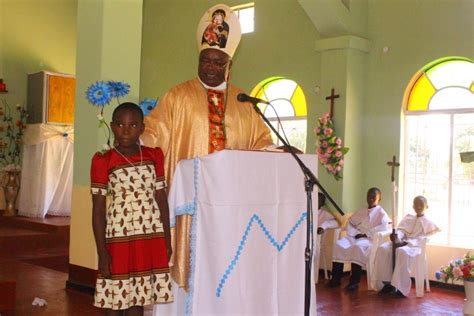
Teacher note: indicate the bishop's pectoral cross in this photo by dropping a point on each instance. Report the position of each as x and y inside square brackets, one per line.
[332, 97]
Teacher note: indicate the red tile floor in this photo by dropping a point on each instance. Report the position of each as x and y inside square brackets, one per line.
[40, 270]
[439, 301]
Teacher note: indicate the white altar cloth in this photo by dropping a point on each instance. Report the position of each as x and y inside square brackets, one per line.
[46, 172]
[248, 234]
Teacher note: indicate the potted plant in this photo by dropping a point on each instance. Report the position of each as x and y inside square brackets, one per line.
[463, 270]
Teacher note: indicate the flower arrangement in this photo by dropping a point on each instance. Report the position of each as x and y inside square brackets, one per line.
[101, 93]
[11, 136]
[459, 269]
[330, 150]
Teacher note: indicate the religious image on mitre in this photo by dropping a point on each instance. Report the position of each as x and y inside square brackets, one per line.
[219, 28]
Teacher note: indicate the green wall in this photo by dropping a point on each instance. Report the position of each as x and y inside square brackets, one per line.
[353, 188]
[108, 48]
[34, 36]
[416, 33]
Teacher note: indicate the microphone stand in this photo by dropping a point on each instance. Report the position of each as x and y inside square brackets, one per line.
[310, 181]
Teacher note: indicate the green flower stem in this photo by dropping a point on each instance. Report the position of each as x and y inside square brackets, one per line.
[109, 132]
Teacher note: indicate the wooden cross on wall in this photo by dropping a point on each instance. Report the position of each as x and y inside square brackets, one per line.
[393, 163]
[332, 97]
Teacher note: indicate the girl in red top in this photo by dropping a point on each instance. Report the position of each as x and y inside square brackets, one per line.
[132, 229]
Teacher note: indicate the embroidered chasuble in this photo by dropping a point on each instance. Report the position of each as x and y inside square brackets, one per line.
[185, 124]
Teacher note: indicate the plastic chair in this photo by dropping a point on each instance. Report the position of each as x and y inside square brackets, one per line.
[321, 255]
[421, 270]
[379, 239]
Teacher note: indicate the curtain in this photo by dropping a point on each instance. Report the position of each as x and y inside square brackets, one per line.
[47, 170]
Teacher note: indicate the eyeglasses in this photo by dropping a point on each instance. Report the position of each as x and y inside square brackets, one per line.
[213, 62]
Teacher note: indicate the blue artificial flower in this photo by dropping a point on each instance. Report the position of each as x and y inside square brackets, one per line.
[147, 105]
[438, 275]
[118, 89]
[98, 94]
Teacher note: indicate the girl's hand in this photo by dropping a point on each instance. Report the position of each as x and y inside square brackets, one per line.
[169, 251]
[105, 262]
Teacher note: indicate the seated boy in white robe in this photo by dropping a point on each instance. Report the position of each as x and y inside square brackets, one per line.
[325, 219]
[355, 247]
[409, 234]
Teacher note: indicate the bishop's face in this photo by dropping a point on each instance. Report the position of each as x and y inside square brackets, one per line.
[213, 67]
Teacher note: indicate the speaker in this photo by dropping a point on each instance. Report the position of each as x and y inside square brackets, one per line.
[50, 98]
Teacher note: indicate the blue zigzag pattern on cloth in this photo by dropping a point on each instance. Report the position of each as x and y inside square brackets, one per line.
[192, 243]
[243, 240]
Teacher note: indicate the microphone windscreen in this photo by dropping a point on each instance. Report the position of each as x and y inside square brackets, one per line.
[242, 97]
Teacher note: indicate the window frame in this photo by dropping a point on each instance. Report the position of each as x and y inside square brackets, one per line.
[403, 198]
[261, 88]
[241, 7]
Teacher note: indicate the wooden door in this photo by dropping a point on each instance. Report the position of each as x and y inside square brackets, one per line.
[60, 102]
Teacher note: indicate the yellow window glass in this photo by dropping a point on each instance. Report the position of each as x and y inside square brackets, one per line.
[285, 95]
[421, 94]
[444, 84]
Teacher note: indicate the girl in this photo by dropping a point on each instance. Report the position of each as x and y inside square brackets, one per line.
[133, 234]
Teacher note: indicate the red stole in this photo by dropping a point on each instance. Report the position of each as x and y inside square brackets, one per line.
[215, 100]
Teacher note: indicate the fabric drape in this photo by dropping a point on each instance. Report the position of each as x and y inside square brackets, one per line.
[47, 170]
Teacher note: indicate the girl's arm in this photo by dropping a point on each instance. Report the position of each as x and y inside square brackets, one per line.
[98, 225]
[162, 200]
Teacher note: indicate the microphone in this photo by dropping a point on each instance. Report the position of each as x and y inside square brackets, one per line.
[242, 97]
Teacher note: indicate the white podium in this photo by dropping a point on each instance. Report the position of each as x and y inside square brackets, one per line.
[248, 234]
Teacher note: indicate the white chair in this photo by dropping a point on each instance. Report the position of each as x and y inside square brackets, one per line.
[378, 239]
[321, 255]
[421, 270]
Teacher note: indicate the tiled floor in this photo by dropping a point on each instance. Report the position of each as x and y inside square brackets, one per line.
[42, 272]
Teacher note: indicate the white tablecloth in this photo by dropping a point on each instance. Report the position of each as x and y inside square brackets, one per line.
[47, 170]
[248, 234]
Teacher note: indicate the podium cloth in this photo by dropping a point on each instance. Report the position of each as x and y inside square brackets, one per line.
[47, 170]
[248, 234]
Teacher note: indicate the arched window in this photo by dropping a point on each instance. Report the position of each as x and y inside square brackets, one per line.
[288, 100]
[439, 128]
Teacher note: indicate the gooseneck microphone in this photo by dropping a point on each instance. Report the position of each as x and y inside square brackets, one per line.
[242, 97]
